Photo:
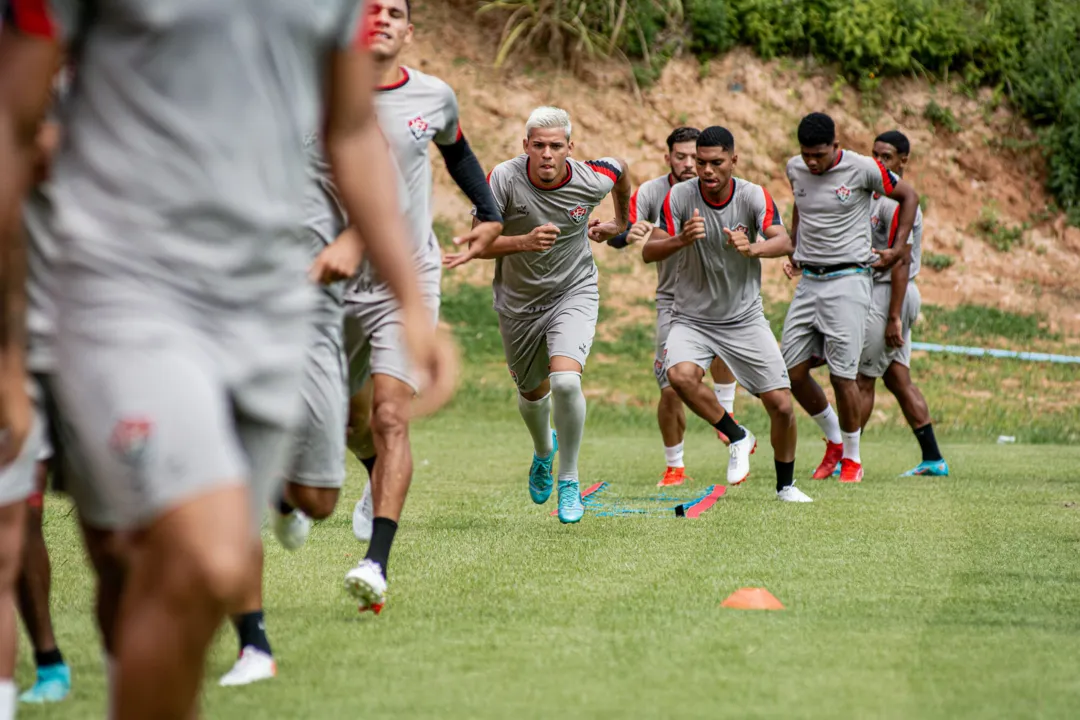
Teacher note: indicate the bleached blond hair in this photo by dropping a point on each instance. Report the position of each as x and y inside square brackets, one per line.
[547, 118]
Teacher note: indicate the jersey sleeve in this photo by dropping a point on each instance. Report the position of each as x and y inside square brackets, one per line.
[607, 171]
[634, 206]
[876, 177]
[354, 20]
[48, 19]
[766, 213]
[498, 181]
[451, 131]
[671, 214]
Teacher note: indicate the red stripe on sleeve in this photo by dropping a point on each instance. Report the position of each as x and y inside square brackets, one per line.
[669, 219]
[893, 226]
[489, 175]
[460, 135]
[32, 17]
[770, 211]
[633, 208]
[604, 170]
[886, 178]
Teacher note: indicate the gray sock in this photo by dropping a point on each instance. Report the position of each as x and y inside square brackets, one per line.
[537, 417]
[568, 408]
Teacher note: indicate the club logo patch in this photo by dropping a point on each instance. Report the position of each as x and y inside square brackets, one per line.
[522, 209]
[740, 229]
[875, 221]
[130, 438]
[418, 126]
[513, 375]
[579, 213]
[843, 193]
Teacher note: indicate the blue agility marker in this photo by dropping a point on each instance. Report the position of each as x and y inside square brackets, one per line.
[1004, 354]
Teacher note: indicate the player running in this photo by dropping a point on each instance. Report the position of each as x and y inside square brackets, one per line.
[827, 316]
[644, 214]
[546, 292]
[415, 110]
[181, 300]
[710, 228]
[896, 302]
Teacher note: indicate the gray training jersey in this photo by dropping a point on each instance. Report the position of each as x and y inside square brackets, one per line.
[532, 282]
[645, 204]
[884, 218]
[182, 159]
[717, 284]
[834, 208]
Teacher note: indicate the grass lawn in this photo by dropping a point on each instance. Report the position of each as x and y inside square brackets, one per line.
[906, 598]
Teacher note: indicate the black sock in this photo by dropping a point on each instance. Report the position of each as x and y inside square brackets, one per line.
[49, 657]
[283, 505]
[731, 429]
[382, 537]
[252, 631]
[785, 474]
[369, 463]
[928, 443]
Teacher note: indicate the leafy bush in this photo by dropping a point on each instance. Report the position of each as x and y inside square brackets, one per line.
[941, 117]
[997, 234]
[937, 261]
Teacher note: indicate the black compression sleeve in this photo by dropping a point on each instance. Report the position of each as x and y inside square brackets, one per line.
[619, 241]
[469, 176]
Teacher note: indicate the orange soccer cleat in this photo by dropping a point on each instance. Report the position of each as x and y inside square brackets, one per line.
[833, 453]
[673, 476]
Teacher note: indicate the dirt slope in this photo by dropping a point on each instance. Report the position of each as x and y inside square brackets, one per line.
[961, 175]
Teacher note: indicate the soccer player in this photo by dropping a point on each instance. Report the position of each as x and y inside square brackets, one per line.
[827, 316]
[896, 302]
[181, 301]
[545, 289]
[415, 110]
[644, 214]
[715, 228]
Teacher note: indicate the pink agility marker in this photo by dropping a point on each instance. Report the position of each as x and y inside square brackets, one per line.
[706, 502]
[588, 491]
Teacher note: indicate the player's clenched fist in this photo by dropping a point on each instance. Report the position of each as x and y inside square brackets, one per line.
[541, 238]
[740, 241]
[694, 229]
[640, 231]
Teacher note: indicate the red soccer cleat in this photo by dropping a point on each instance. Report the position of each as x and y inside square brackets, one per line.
[673, 476]
[833, 453]
[850, 471]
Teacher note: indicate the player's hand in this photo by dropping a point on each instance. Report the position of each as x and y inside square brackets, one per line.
[435, 359]
[541, 238]
[886, 258]
[16, 415]
[476, 241]
[639, 231]
[694, 229]
[603, 231]
[339, 260]
[790, 269]
[894, 333]
[740, 241]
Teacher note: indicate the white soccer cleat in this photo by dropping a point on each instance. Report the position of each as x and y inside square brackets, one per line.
[366, 584]
[738, 468]
[252, 666]
[363, 515]
[292, 530]
[793, 494]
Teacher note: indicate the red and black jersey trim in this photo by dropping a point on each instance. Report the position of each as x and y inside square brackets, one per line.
[569, 176]
[614, 172]
[667, 220]
[839, 157]
[893, 226]
[888, 179]
[772, 213]
[633, 207]
[726, 201]
[31, 17]
[399, 84]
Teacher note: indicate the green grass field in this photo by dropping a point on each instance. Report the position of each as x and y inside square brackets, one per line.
[906, 598]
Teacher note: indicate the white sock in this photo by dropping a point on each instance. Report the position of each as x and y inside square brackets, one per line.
[8, 698]
[851, 446]
[725, 395]
[568, 409]
[829, 422]
[537, 417]
[674, 455]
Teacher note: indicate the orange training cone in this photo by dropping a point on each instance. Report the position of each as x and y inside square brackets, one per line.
[752, 599]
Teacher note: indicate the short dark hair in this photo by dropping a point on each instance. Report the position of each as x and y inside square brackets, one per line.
[897, 139]
[408, 10]
[681, 135]
[817, 129]
[717, 136]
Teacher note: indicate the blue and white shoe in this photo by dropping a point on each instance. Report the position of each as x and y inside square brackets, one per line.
[929, 468]
[540, 481]
[53, 685]
[570, 507]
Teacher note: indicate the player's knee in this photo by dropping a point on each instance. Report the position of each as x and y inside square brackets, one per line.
[684, 376]
[221, 573]
[843, 385]
[779, 406]
[565, 386]
[390, 419]
[317, 503]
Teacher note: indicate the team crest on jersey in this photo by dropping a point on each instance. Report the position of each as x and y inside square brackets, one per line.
[843, 193]
[522, 209]
[418, 126]
[130, 438]
[579, 213]
[875, 221]
[513, 375]
[740, 228]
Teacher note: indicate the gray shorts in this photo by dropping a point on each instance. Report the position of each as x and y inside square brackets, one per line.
[664, 317]
[169, 399]
[374, 342]
[565, 330]
[748, 348]
[17, 480]
[827, 319]
[876, 355]
[319, 453]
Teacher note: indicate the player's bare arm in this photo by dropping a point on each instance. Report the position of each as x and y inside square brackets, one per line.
[339, 260]
[904, 194]
[894, 328]
[26, 69]
[661, 245]
[620, 194]
[539, 239]
[777, 243]
[789, 265]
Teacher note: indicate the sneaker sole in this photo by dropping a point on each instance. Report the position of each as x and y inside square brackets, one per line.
[571, 522]
[260, 678]
[364, 595]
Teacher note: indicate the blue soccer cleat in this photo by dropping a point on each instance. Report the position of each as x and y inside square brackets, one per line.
[540, 482]
[929, 468]
[570, 507]
[53, 685]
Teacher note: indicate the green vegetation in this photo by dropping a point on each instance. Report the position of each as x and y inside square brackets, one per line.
[941, 117]
[444, 232]
[905, 598]
[1027, 50]
[997, 234]
[977, 323]
[937, 261]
